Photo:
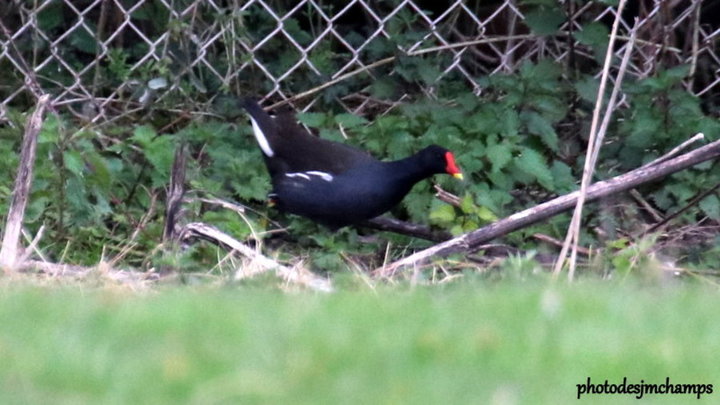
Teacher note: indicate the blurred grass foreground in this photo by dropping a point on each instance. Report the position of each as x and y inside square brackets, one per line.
[505, 344]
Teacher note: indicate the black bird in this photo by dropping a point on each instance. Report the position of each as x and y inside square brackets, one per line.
[333, 183]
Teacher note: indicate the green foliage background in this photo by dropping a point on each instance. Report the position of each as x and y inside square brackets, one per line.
[100, 189]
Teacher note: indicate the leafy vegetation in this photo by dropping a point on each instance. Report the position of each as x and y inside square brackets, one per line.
[99, 190]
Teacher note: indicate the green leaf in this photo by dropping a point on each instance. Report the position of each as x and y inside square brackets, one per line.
[350, 120]
[596, 36]
[313, 120]
[532, 163]
[645, 126]
[382, 88]
[711, 206]
[469, 226]
[538, 125]
[552, 108]
[470, 157]
[544, 21]
[143, 135]
[621, 243]
[587, 88]
[485, 214]
[677, 73]
[509, 122]
[100, 172]
[681, 191]
[398, 146]
[160, 153]
[83, 40]
[74, 162]
[483, 121]
[442, 214]
[418, 205]
[50, 130]
[428, 73]
[50, 17]
[467, 205]
[499, 155]
[562, 177]
[543, 73]
[593, 34]
[35, 208]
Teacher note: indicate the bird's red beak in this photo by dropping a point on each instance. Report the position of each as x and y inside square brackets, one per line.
[451, 168]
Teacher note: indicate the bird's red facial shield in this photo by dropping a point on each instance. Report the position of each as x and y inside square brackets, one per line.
[451, 168]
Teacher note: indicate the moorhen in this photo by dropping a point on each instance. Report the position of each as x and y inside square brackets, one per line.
[332, 183]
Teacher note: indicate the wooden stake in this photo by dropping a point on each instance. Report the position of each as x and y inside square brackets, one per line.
[21, 191]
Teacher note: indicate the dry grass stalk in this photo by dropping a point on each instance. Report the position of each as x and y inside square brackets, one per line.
[594, 143]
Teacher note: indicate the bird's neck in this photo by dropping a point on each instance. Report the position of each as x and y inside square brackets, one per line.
[408, 169]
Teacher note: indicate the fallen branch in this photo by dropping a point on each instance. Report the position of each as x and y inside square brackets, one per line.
[294, 275]
[21, 190]
[471, 240]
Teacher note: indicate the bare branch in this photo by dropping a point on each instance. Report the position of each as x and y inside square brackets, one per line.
[471, 240]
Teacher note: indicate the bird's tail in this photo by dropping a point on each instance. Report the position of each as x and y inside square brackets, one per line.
[263, 126]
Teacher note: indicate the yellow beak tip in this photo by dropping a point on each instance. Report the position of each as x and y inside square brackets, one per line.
[458, 176]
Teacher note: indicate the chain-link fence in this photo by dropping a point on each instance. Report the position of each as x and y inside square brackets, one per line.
[102, 58]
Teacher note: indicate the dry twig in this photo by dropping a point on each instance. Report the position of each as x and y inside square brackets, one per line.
[295, 275]
[446, 196]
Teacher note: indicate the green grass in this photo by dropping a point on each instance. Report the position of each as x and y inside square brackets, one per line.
[467, 343]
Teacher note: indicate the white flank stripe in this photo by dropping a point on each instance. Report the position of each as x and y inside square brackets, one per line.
[306, 175]
[323, 175]
[301, 175]
[261, 140]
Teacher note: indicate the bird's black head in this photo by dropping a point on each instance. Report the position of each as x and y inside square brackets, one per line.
[440, 160]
